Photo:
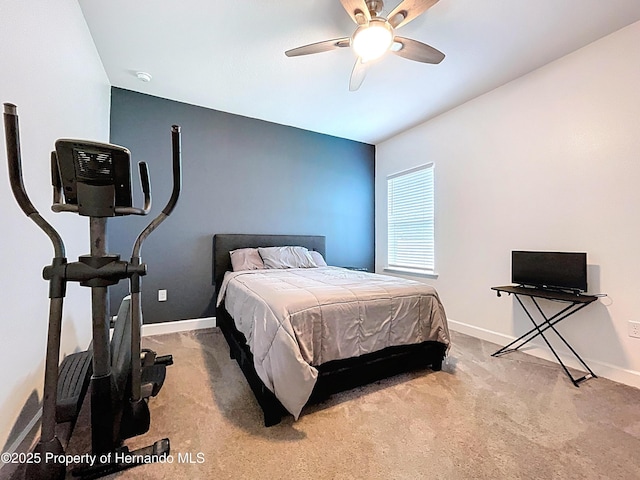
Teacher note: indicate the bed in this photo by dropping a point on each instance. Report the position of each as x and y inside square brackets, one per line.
[319, 368]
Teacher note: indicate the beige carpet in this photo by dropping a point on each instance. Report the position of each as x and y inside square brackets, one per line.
[514, 417]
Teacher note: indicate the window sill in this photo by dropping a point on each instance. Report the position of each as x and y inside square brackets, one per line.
[413, 272]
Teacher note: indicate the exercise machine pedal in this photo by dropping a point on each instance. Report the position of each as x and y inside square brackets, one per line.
[123, 459]
[73, 381]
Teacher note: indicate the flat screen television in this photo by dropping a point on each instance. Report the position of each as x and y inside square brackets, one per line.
[552, 270]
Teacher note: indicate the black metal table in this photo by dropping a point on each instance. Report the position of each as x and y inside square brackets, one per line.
[576, 303]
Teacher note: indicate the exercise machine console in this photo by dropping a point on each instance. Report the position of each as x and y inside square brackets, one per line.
[94, 180]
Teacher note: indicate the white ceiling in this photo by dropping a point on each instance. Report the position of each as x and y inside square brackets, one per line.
[229, 55]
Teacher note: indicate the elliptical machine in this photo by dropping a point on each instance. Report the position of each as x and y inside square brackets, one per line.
[94, 180]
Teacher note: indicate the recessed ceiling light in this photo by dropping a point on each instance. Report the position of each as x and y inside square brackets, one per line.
[143, 76]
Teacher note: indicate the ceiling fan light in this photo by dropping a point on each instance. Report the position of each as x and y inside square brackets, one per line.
[372, 41]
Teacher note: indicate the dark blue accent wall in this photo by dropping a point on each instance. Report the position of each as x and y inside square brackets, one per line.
[241, 175]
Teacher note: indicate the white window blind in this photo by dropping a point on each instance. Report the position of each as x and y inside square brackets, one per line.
[411, 219]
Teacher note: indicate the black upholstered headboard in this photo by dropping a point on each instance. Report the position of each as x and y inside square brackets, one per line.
[223, 243]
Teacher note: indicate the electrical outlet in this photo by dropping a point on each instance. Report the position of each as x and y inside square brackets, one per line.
[162, 295]
[634, 329]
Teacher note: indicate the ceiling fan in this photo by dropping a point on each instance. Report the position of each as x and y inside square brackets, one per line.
[375, 35]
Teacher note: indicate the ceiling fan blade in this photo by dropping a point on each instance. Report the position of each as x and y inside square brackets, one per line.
[319, 47]
[357, 75]
[357, 10]
[408, 10]
[415, 50]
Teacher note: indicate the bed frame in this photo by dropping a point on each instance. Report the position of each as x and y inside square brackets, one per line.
[334, 376]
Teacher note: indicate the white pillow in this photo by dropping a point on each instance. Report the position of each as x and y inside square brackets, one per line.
[286, 257]
[317, 258]
[246, 259]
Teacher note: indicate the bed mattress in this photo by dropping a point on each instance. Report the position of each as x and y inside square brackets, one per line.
[295, 319]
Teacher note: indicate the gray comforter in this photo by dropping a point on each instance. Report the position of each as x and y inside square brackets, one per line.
[296, 318]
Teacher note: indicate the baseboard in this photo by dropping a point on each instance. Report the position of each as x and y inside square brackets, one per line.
[178, 326]
[601, 369]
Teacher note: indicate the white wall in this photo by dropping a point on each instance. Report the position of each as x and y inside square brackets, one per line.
[52, 72]
[550, 161]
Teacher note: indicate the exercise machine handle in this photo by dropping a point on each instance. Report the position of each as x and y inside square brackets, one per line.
[12, 136]
[57, 285]
[56, 181]
[146, 186]
[146, 190]
[12, 140]
[177, 169]
[175, 194]
[135, 280]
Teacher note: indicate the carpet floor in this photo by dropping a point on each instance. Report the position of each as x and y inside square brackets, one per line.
[514, 417]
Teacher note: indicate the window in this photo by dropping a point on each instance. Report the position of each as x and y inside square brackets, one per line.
[411, 220]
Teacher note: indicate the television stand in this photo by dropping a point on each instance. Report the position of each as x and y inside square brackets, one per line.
[576, 303]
